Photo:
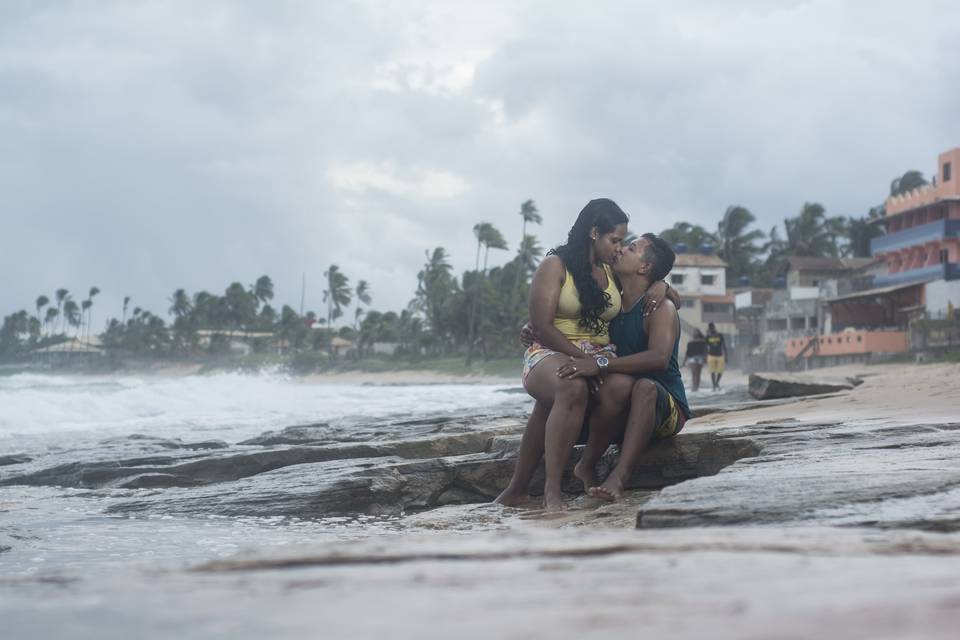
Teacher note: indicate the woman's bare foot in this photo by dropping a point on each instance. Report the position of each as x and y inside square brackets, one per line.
[512, 498]
[611, 490]
[554, 504]
[587, 475]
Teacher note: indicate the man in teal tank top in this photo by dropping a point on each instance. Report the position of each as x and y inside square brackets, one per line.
[647, 347]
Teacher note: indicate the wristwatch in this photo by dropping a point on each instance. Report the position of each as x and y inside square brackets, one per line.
[602, 363]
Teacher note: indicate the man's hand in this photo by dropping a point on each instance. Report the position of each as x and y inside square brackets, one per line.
[527, 335]
[656, 294]
[586, 367]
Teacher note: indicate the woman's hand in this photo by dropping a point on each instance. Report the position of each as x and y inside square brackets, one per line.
[656, 294]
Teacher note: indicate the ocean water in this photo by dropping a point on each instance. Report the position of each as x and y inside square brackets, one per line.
[64, 410]
[57, 419]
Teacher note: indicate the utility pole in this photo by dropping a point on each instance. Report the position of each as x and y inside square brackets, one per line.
[303, 291]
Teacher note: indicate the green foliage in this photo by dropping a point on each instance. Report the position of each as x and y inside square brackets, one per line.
[692, 235]
[337, 294]
[859, 232]
[909, 181]
[737, 246]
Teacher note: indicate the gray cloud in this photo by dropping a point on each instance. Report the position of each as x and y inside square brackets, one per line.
[146, 146]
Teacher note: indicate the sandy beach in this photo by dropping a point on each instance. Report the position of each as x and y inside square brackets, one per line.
[896, 393]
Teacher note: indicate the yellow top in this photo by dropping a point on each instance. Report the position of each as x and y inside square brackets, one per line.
[567, 317]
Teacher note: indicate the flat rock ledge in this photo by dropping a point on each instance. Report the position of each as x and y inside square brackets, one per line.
[443, 467]
[872, 474]
[770, 386]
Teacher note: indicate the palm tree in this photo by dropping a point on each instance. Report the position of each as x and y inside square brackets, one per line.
[363, 295]
[337, 294]
[89, 307]
[183, 325]
[812, 233]
[262, 290]
[491, 238]
[240, 306]
[71, 312]
[737, 246]
[126, 301]
[692, 235]
[529, 213]
[435, 287]
[907, 182]
[42, 301]
[61, 295]
[859, 232]
[85, 309]
[50, 320]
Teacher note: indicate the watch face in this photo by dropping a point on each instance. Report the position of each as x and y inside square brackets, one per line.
[602, 361]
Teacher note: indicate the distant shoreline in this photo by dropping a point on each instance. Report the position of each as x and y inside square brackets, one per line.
[400, 376]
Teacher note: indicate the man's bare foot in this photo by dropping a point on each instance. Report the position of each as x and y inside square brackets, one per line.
[587, 475]
[611, 490]
[554, 504]
[511, 498]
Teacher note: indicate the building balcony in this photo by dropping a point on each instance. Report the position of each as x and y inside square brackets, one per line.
[929, 232]
[944, 271]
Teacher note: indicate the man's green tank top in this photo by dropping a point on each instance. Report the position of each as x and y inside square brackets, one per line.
[629, 335]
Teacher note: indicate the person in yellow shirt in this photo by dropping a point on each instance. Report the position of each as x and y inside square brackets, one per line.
[716, 355]
[573, 298]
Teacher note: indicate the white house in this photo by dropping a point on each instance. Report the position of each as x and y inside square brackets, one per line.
[701, 281]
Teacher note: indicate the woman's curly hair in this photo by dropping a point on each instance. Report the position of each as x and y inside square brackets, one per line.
[605, 215]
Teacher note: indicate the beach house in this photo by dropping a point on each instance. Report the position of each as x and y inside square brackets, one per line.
[916, 286]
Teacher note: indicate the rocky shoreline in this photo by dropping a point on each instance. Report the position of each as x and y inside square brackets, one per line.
[836, 515]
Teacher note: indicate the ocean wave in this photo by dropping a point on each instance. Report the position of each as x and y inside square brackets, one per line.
[231, 406]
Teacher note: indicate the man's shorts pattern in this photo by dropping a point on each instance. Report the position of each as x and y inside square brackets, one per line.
[668, 418]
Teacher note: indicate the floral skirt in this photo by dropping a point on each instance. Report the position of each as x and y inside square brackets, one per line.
[537, 352]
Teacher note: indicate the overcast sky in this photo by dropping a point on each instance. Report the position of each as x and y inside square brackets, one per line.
[147, 146]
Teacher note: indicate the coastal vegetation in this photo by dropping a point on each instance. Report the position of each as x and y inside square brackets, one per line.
[471, 316]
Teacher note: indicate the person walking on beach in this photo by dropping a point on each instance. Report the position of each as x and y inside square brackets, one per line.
[647, 347]
[696, 356]
[716, 355]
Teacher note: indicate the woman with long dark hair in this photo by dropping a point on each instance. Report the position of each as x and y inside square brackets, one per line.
[573, 297]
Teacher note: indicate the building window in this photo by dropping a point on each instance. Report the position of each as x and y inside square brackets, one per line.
[796, 323]
[859, 338]
[688, 303]
[814, 283]
[707, 280]
[812, 322]
[944, 256]
[716, 307]
[676, 278]
[776, 324]
[946, 172]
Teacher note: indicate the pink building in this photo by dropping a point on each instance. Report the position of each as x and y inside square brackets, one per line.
[922, 243]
